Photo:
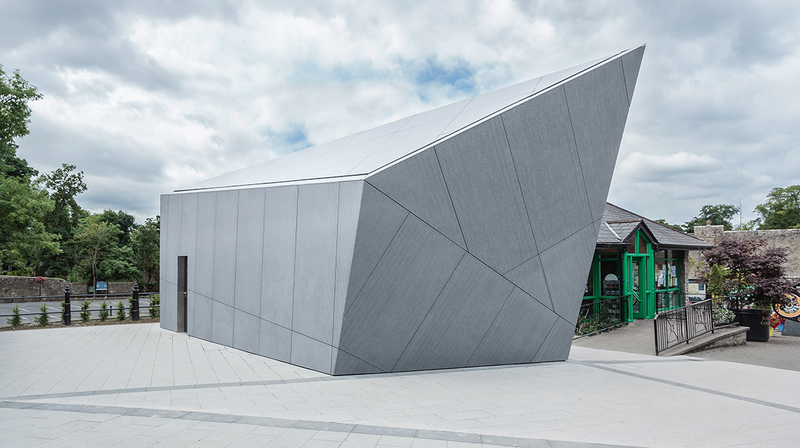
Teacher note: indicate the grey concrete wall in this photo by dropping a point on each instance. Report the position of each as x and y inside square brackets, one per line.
[16, 286]
[787, 238]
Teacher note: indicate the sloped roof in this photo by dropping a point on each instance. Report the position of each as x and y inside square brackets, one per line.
[619, 226]
[368, 151]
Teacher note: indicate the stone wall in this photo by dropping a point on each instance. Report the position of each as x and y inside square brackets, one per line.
[13, 286]
[788, 238]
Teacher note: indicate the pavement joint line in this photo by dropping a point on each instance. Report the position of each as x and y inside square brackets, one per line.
[643, 361]
[133, 390]
[694, 388]
[450, 436]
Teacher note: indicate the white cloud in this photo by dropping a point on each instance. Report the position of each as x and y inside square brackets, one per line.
[148, 98]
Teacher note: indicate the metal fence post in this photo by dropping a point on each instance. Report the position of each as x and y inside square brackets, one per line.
[135, 303]
[686, 323]
[67, 308]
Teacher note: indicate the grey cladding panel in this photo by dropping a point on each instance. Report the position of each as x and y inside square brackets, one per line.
[417, 184]
[482, 182]
[173, 232]
[189, 230]
[540, 135]
[445, 112]
[222, 324]
[556, 346]
[277, 277]
[311, 353]
[529, 277]
[162, 254]
[202, 317]
[393, 303]
[315, 262]
[347, 364]
[630, 66]
[598, 106]
[516, 334]
[169, 305]
[379, 220]
[565, 267]
[349, 206]
[458, 320]
[274, 341]
[402, 144]
[204, 252]
[245, 331]
[249, 249]
[225, 228]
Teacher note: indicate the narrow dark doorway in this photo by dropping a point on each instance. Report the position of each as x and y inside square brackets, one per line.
[182, 295]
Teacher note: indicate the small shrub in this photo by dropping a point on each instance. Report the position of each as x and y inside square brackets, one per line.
[104, 312]
[85, 313]
[43, 319]
[15, 320]
[155, 306]
[723, 316]
[120, 310]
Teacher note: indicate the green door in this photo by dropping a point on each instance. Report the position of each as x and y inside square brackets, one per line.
[636, 287]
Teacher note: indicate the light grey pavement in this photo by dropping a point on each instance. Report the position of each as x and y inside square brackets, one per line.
[138, 385]
[782, 352]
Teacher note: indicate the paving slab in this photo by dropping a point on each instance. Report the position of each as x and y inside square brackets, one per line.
[68, 387]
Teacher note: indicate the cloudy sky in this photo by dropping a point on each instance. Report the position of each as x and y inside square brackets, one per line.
[151, 95]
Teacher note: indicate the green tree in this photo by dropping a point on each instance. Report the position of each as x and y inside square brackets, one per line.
[125, 222]
[93, 239]
[719, 215]
[63, 185]
[146, 240]
[15, 93]
[782, 209]
[23, 236]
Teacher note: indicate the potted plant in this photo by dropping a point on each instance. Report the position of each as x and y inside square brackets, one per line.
[753, 278]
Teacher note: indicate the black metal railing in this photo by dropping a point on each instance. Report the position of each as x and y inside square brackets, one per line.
[681, 325]
[133, 311]
[601, 315]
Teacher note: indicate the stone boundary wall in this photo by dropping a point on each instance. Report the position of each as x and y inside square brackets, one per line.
[788, 238]
[14, 286]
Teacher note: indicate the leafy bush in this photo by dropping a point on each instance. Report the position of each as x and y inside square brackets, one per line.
[723, 316]
[43, 319]
[155, 306]
[15, 320]
[85, 313]
[104, 312]
[120, 311]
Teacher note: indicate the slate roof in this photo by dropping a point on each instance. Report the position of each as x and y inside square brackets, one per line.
[365, 152]
[619, 225]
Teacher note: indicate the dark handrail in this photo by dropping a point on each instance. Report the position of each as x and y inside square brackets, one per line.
[681, 325]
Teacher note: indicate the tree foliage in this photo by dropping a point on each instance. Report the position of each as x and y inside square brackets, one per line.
[23, 235]
[753, 270]
[94, 239]
[719, 215]
[15, 93]
[146, 240]
[781, 210]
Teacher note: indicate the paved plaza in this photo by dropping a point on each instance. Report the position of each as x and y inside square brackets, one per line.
[139, 385]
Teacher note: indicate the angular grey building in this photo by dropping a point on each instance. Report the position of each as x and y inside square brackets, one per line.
[456, 237]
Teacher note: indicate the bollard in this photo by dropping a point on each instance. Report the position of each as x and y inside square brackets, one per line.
[67, 309]
[135, 303]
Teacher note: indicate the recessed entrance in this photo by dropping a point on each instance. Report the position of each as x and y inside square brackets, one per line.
[182, 293]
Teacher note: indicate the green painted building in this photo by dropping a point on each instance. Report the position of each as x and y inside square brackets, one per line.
[639, 266]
